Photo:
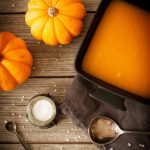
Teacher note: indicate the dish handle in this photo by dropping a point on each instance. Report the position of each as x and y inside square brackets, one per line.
[107, 97]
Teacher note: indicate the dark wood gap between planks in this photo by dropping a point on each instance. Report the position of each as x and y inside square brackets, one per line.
[48, 143]
[51, 77]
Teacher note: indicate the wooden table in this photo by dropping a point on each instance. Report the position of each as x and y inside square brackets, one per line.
[53, 71]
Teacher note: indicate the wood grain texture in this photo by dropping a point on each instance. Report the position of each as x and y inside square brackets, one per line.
[51, 67]
[64, 132]
[20, 6]
[48, 60]
[50, 147]
[57, 87]
[13, 107]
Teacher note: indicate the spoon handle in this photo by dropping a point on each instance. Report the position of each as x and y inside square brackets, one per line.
[21, 141]
[138, 132]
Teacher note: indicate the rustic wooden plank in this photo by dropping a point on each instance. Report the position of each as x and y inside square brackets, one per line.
[56, 86]
[50, 147]
[13, 107]
[20, 6]
[64, 132]
[48, 60]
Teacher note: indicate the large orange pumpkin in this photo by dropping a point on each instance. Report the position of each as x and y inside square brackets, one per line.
[55, 21]
[15, 61]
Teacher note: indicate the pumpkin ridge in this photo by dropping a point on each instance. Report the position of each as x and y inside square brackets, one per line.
[55, 3]
[12, 37]
[12, 50]
[45, 2]
[18, 49]
[43, 25]
[67, 25]
[17, 62]
[64, 25]
[36, 9]
[48, 2]
[65, 29]
[20, 46]
[70, 16]
[54, 32]
[13, 75]
[65, 11]
[29, 5]
[68, 4]
[10, 75]
[35, 20]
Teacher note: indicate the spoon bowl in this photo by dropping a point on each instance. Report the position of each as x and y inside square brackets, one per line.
[103, 130]
[12, 127]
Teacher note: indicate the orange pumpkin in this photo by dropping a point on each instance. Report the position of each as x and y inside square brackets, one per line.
[55, 21]
[15, 61]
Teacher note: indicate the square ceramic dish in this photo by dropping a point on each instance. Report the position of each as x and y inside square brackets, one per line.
[105, 92]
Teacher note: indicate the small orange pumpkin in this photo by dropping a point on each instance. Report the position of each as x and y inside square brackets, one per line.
[55, 21]
[15, 61]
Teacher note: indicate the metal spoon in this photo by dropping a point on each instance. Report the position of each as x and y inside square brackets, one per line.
[11, 127]
[103, 130]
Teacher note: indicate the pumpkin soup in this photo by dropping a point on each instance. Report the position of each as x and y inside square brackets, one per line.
[119, 52]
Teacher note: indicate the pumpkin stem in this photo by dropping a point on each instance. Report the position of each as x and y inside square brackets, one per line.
[1, 57]
[52, 11]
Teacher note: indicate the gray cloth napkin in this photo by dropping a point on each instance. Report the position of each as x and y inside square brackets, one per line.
[82, 108]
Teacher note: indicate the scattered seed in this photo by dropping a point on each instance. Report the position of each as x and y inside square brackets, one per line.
[67, 140]
[54, 85]
[39, 42]
[27, 134]
[13, 104]
[13, 5]
[64, 90]
[61, 148]
[33, 67]
[13, 113]
[76, 145]
[55, 90]
[20, 116]
[60, 45]
[30, 130]
[141, 145]
[68, 131]
[23, 98]
[111, 148]
[57, 60]
[79, 136]
[129, 144]
[5, 121]
[23, 126]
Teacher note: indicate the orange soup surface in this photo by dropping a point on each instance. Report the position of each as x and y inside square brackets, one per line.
[119, 52]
